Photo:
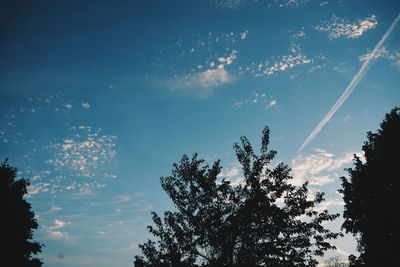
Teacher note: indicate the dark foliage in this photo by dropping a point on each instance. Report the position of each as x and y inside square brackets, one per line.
[17, 220]
[266, 221]
[372, 206]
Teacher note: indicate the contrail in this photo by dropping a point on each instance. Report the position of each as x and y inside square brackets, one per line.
[349, 89]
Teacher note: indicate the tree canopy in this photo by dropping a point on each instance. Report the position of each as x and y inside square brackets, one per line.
[17, 221]
[265, 221]
[372, 207]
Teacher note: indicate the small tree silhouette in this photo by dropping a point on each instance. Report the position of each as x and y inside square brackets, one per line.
[17, 220]
[265, 221]
[372, 206]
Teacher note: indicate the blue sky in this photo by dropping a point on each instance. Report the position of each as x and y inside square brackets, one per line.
[98, 99]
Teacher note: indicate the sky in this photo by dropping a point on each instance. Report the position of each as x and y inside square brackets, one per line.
[99, 99]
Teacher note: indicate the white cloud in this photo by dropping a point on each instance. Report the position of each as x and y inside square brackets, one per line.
[234, 4]
[53, 232]
[55, 208]
[298, 35]
[339, 27]
[205, 80]
[392, 55]
[287, 62]
[85, 191]
[347, 118]
[256, 98]
[58, 224]
[327, 204]
[243, 35]
[278, 64]
[86, 154]
[58, 235]
[212, 78]
[228, 3]
[228, 60]
[272, 103]
[233, 175]
[86, 105]
[319, 167]
[37, 188]
[232, 172]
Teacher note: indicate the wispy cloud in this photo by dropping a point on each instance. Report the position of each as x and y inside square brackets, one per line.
[294, 58]
[349, 89]
[54, 232]
[85, 105]
[228, 3]
[206, 80]
[319, 168]
[338, 27]
[392, 55]
[58, 224]
[272, 103]
[233, 175]
[328, 204]
[234, 4]
[256, 98]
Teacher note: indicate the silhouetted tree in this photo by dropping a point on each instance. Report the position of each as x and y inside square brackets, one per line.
[372, 206]
[264, 221]
[17, 221]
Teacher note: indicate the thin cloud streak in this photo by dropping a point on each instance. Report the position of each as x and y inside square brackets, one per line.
[354, 82]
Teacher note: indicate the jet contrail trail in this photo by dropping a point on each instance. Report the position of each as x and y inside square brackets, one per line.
[349, 89]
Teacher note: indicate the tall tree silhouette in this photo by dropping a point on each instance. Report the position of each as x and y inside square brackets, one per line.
[17, 221]
[265, 221]
[372, 206]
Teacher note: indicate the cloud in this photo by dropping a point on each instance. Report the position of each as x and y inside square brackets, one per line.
[349, 89]
[85, 105]
[58, 235]
[339, 27]
[58, 224]
[228, 3]
[327, 204]
[37, 188]
[204, 81]
[319, 167]
[256, 98]
[243, 35]
[393, 56]
[216, 75]
[234, 4]
[272, 103]
[278, 64]
[212, 78]
[83, 153]
[55, 208]
[298, 35]
[233, 175]
[347, 118]
[53, 232]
